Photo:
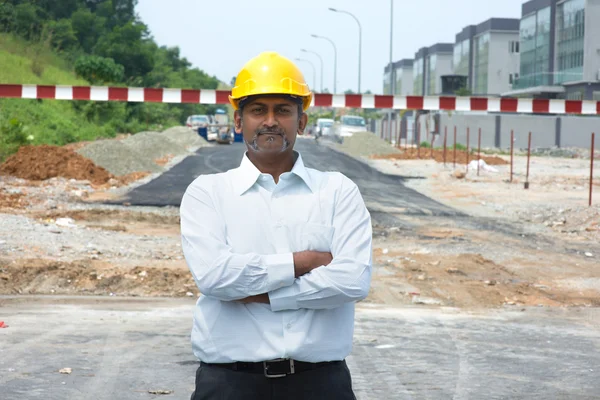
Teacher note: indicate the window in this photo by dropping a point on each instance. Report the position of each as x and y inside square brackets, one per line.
[513, 46]
[570, 29]
[596, 96]
[480, 78]
[510, 78]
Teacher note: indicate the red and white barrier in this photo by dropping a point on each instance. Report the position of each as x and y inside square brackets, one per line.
[209, 96]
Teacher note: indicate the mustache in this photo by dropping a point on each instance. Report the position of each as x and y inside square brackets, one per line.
[270, 131]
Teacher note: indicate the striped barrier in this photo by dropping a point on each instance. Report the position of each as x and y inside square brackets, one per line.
[208, 96]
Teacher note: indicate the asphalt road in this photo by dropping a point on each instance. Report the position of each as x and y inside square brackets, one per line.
[382, 193]
[123, 348]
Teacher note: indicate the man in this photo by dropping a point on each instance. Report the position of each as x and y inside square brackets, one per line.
[280, 253]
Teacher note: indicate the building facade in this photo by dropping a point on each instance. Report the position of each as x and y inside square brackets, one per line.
[403, 75]
[488, 55]
[560, 50]
[430, 64]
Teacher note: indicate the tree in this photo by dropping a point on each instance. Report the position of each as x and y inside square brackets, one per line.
[27, 22]
[88, 28]
[7, 17]
[99, 70]
[127, 46]
[61, 34]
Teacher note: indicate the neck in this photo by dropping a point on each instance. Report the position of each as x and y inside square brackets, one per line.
[274, 165]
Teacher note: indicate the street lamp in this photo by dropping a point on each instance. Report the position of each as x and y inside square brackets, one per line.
[321, 59]
[359, 40]
[313, 68]
[334, 60]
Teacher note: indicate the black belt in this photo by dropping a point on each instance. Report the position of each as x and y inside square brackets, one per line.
[273, 368]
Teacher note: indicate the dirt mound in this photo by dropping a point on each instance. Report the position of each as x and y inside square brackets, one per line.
[438, 155]
[36, 276]
[38, 163]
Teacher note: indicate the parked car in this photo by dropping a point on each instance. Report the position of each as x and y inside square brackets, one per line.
[348, 125]
[197, 121]
[323, 126]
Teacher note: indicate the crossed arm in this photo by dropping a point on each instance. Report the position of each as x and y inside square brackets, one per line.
[307, 279]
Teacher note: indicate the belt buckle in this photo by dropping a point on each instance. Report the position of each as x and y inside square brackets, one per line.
[266, 368]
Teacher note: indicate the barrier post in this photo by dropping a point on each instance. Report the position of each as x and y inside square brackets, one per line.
[512, 152]
[592, 169]
[528, 157]
[468, 141]
[455, 147]
[445, 143]
[479, 152]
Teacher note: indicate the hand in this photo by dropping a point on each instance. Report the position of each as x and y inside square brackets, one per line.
[306, 261]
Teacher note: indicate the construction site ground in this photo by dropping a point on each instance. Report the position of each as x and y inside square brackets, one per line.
[477, 241]
[447, 247]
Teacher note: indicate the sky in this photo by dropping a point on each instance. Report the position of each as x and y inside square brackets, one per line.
[220, 36]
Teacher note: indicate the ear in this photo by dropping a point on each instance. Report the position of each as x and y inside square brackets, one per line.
[302, 123]
[237, 118]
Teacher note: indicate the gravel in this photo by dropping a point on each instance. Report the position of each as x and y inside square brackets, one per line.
[185, 137]
[365, 144]
[118, 158]
[138, 152]
[153, 145]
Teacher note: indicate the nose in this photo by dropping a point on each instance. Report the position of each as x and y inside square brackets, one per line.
[270, 120]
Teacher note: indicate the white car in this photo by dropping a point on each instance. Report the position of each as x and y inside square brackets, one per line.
[350, 124]
[323, 126]
[197, 121]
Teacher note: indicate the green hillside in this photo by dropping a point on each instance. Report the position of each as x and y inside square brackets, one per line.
[39, 121]
[86, 42]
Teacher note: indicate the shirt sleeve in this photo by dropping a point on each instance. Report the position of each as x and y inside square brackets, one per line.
[348, 277]
[217, 271]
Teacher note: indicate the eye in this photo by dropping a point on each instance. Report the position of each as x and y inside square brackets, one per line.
[284, 111]
[256, 110]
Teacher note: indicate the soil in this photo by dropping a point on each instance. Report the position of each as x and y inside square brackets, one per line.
[438, 155]
[43, 162]
[92, 277]
[12, 200]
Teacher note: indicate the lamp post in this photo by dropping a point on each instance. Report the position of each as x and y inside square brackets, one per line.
[359, 40]
[313, 68]
[321, 59]
[334, 60]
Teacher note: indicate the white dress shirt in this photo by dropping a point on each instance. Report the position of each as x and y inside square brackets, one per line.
[239, 230]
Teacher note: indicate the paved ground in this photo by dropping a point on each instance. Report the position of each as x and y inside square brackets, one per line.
[384, 193]
[122, 348]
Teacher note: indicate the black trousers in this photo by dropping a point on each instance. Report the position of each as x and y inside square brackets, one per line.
[330, 382]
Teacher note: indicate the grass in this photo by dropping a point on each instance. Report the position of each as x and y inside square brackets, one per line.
[44, 121]
[17, 57]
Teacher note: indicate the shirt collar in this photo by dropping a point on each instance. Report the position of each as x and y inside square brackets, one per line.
[247, 174]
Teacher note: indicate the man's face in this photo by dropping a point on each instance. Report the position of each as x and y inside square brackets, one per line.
[270, 124]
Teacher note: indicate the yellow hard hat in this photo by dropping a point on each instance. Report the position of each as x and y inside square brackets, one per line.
[270, 73]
